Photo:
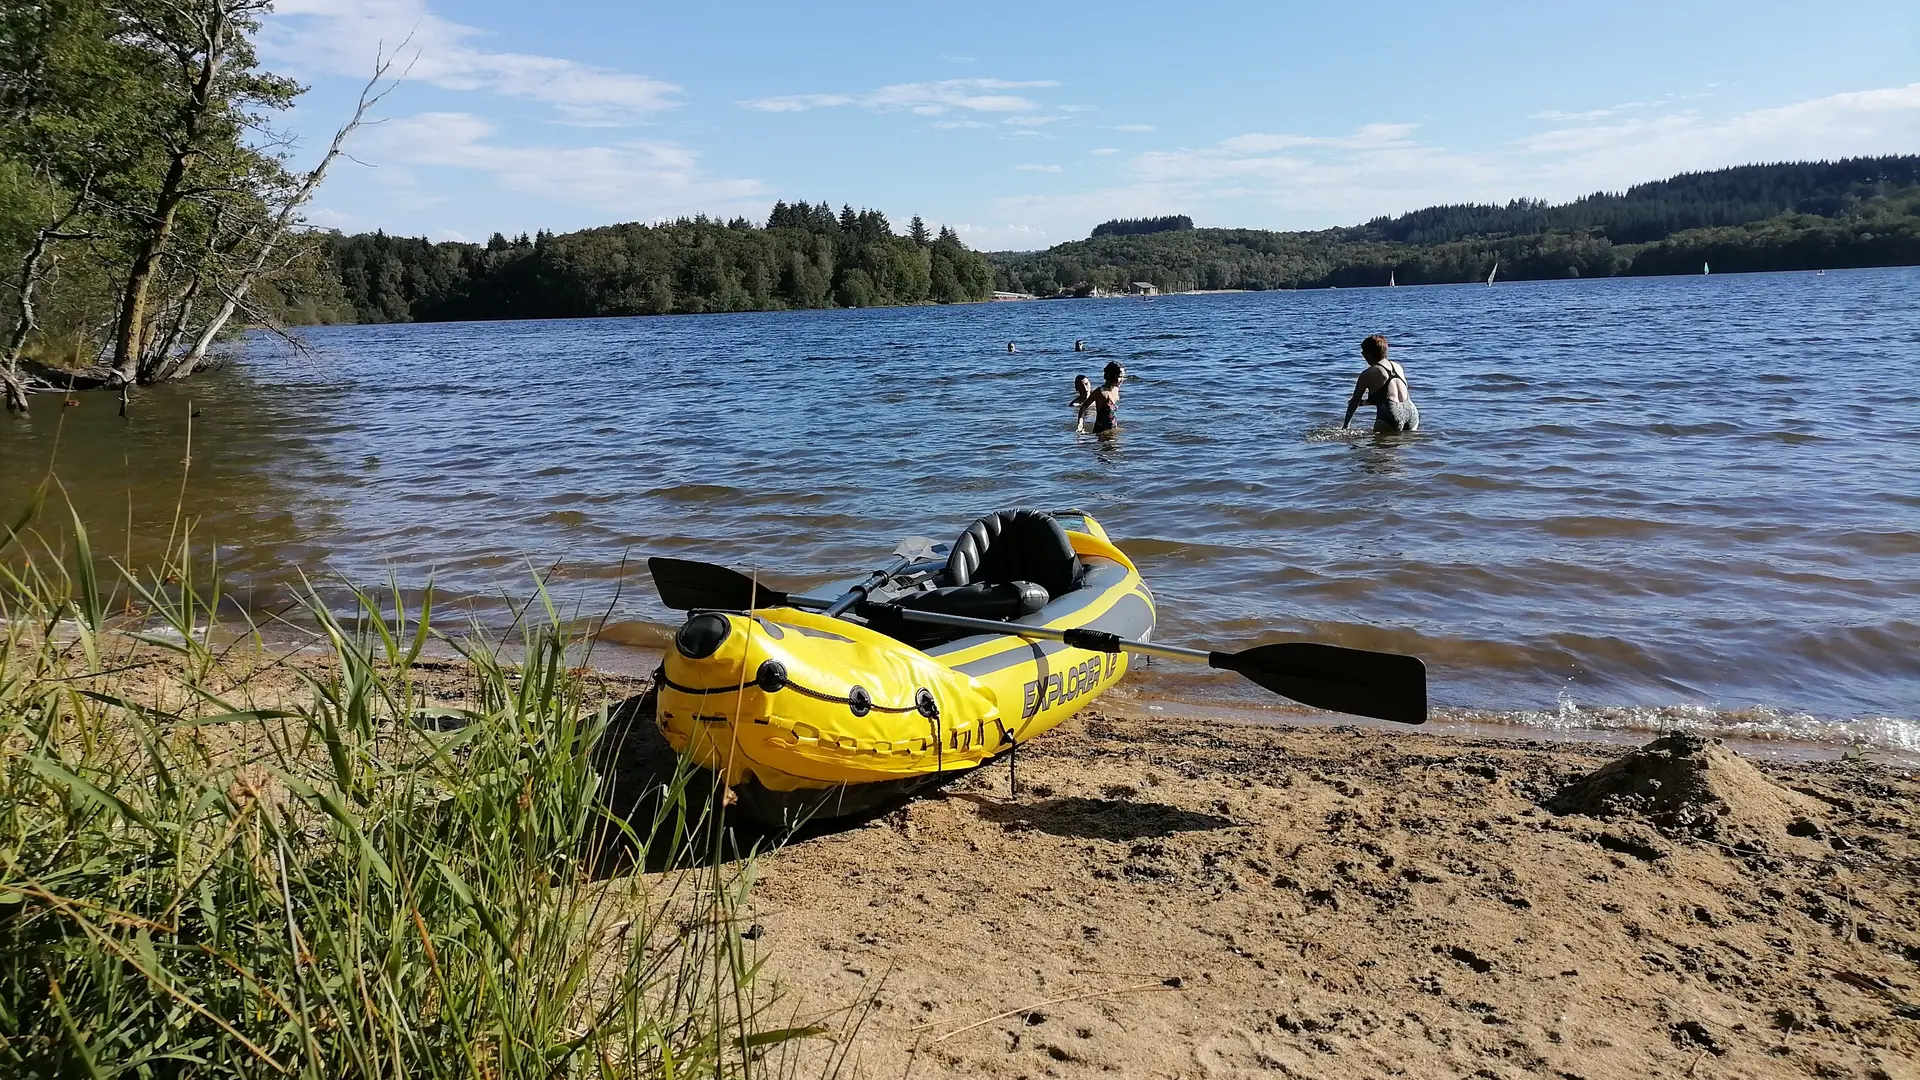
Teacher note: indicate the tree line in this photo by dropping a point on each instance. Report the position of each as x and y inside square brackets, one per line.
[146, 202]
[1652, 211]
[1142, 226]
[1855, 212]
[804, 256]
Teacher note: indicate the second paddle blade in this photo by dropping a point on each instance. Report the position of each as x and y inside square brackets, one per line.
[686, 585]
[1385, 686]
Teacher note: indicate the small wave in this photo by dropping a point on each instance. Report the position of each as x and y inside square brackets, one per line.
[1597, 526]
[696, 493]
[569, 519]
[1717, 427]
[1759, 723]
[639, 633]
[1186, 551]
[1330, 433]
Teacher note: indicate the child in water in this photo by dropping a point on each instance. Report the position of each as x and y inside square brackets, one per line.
[1105, 401]
[1384, 386]
[1082, 390]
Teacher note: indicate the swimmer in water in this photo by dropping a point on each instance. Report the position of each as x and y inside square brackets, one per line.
[1079, 346]
[1384, 386]
[1105, 401]
[1082, 390]
[1010, 347]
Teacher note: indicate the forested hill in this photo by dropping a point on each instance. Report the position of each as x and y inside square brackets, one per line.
[804, 257]
[1811, 215]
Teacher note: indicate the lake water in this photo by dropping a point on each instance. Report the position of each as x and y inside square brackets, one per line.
[1633, 503]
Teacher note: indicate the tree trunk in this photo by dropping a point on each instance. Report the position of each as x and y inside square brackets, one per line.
[15, 388]
[278, 227]
[26, 319]
[131, 331]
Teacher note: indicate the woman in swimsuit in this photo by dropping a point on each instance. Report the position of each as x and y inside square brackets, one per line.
[1104, 401]
[1384, 386]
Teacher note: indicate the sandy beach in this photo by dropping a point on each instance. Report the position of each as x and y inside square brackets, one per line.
[1176, 898]
[1149, 894]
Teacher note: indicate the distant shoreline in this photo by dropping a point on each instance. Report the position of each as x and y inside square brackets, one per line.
[1501, 283]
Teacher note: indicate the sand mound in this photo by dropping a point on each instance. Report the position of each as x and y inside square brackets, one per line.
[1693, 787]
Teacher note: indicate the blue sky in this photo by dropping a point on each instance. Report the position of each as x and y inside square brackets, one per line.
[1023, 125]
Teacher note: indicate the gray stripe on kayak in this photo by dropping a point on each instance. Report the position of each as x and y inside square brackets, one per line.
[1129, 618]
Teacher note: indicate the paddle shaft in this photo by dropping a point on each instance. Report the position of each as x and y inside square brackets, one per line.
[1093, 640]
[859, 592]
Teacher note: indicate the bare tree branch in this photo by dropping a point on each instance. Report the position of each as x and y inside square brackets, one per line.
[370, 96]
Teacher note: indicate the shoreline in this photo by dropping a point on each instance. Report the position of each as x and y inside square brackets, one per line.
[1158, 296]
[625, 662]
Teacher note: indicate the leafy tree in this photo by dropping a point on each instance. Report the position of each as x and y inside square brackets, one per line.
[1855, 212]
[142, 195]
[807, 256]
[1142, 226]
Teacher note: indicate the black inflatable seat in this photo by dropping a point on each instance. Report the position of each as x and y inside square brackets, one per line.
[1013, 546]
[1008, 600]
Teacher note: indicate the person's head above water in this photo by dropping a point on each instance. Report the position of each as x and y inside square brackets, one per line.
[1113, 372]
[1374, 349]
[1082, 384]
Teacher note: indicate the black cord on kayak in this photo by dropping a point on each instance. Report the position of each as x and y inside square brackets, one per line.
[1013, 780]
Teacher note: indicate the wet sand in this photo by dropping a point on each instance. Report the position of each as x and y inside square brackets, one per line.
[1168, 897]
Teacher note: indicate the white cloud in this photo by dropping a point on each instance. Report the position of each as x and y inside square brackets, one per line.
[342, 37]
[1590, 114]
[1104, 150]
[1133, 127]
[1573, 159]
[1316, 180]
[323, 217]
[455, 235]
[1371, 135]
[1037, 168]
[1032, 121]
[923, 98]
[949, 125]
[632, 180]
[1003, 237]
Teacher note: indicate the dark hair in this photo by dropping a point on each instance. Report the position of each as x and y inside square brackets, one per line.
[1111, 372]
[1374, 348]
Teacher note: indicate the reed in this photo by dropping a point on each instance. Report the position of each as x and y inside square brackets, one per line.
[216, 861]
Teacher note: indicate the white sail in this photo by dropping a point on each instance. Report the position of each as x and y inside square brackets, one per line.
[1495, 270]
[1390, 281]
[1705, 269]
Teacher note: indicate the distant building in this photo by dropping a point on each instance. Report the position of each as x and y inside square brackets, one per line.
[1142, 288]
[1012, 296]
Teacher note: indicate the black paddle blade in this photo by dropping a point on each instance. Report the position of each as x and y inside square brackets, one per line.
[686, 585]
[1385, 686]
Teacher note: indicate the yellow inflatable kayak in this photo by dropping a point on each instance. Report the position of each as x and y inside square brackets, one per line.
[805, 714]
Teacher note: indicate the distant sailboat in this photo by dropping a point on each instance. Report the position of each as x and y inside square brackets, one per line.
[1390, 281]
[1705, 269]
[1495, 270]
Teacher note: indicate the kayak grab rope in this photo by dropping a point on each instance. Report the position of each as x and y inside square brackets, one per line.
[857, 700]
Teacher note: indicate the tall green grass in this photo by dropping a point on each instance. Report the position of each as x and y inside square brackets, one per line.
[286, 873]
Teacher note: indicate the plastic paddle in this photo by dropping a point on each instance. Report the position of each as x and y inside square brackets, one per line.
[1385, 686]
